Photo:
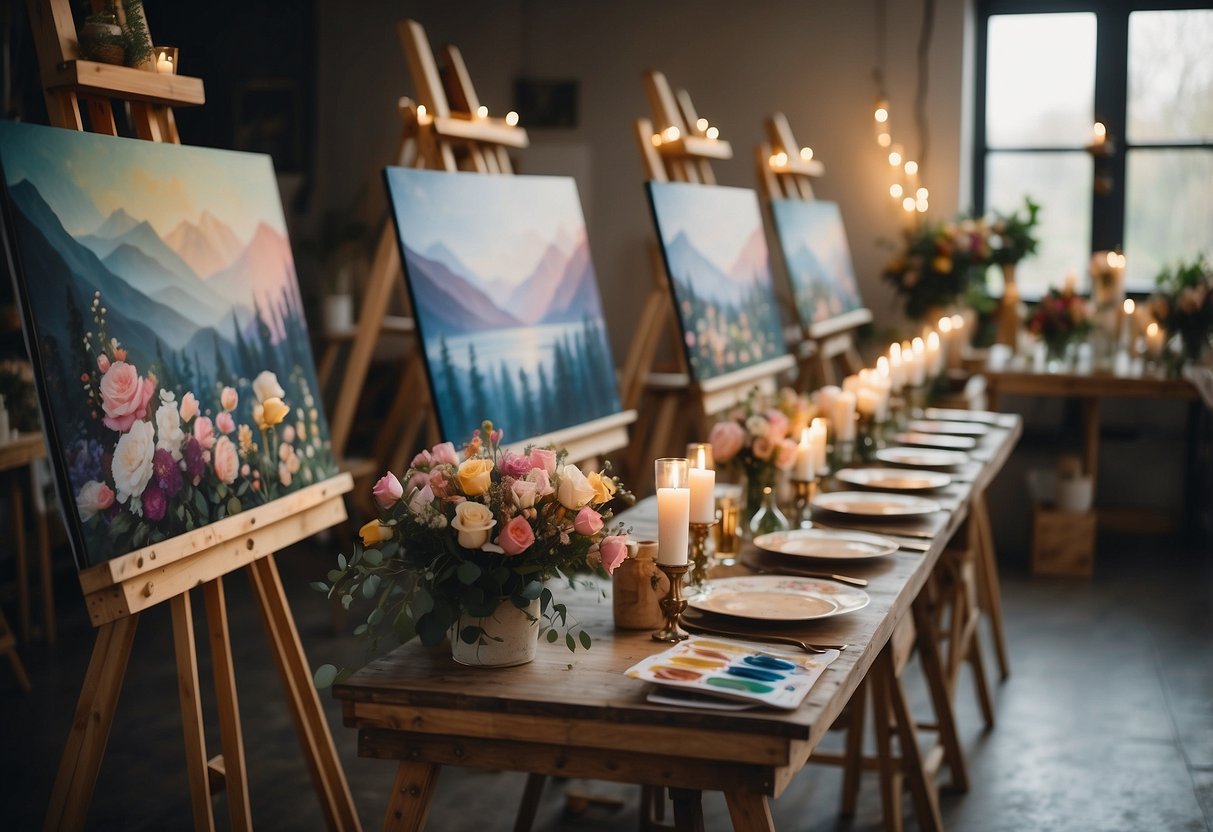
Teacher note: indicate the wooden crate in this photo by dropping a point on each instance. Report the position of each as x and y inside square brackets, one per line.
[1063, 542]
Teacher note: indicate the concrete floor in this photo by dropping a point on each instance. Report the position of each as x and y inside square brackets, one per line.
[1105, 724]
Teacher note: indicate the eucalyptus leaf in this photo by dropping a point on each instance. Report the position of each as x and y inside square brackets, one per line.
[423, 602]
[319, 586]
[370, 586]
[584, 638]
[346, 600]
[375, 617]
[552, 636]
[468, 573]
[532, 590]
[360, 630]
[373, 556]
[569, 642]
[325, 675]
[342, 563]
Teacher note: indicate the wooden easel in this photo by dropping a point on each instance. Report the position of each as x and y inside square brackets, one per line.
[675, 146]
[116, 592]
[784, 174]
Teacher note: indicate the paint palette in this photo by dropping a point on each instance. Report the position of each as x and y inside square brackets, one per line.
[735, 670]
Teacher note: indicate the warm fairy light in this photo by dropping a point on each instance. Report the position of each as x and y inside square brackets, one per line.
[911, 167]
[1115, 260]
[921, 193]
[657, 139]
[482, 111]
[511, 118]
[945, 325]
[671, 134]
[806, 154]
[1100, 132]
[882, 113]
[1152, 330]
[958, 321]
[921, 205]
[933, 340]
[918, 345]
[1129, 306]
[422, 116]
[895, 354]
[779, 159]
[882, 367]
[894, 158]
[884, 140]
[895, 190]
[701, 124]
[713, 133]
[908, 204]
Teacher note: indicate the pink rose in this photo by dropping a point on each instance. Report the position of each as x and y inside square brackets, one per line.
[515, 465]
[228, 398]
[440, 485]
[189, 407]
[779, 425]
[785, 454]
[227, 462]
[543, 483]
[422, 460]
[204, 431]
[516, 537]
[124, 396]
[613, 550]
[420, 479]
[444, 454]
[225, 422]
[103, 363]
[544, 458]
[588, 522]
[727, 438]
[763, 447]
[388, 491]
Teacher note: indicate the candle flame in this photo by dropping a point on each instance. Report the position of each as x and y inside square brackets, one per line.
[945, 325]
[1129, 306]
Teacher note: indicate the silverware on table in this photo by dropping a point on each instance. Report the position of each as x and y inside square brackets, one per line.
[770, 569]
[872, 528]
[765, 638]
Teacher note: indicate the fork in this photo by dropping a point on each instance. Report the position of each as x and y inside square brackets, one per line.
[695, 627]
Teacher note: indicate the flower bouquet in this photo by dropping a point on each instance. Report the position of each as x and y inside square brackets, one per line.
[1059, 319]
[939, 267]
[1183, 304]
[758, 437]
[1009, 237]
[470, 537]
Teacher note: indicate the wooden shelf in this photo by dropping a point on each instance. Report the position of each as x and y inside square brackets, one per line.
[111, 81]
[489, 131]
[22, 451]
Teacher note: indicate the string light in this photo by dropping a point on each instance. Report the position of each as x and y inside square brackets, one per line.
[713, 133]
[921, 193]
[884, 139]
[511, 118]
[895, 190]
[671, 134]
[806, 154]
[779, 160]
[423, 116]
[701, 125]
[894, 158]
[908, 204]
[482, 111]
[882, 112]
[911, 168]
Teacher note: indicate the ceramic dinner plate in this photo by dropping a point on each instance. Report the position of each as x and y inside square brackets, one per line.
[779, 598]
[893, 479]
[826, 544]
[953, 415]
[921, 457]
[874, 504]
[949, 428]
[936, 440]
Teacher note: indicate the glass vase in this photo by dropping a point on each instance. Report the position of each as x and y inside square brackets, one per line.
[756, 479]
[768, 518]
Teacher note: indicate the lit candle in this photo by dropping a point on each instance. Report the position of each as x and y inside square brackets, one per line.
[803, 469]
[817, 440]
[1099, 134]
[1070, 286]
[918, 365]
[1126, 334]
[1154, 340]
[673, 511]
[934, 354]
[844, 417]
[825, 399]
[164, 64]
[703, 485]
[850, 384]
[897, 370]
[866, 402]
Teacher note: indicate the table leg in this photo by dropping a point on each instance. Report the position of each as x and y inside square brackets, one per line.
[1090, 434]
[688, 810]
[750, 812]
[409, 803]
[989, 590]
[525, 818]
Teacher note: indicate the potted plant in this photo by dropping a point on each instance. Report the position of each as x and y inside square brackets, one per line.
[101, 39]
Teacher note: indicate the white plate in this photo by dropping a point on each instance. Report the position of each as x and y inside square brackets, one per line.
[935, 440]
[893, 479]
[874, 504]
[984, 417]
[921, 457]
[779, 598]
[949, 428]
[826, 544]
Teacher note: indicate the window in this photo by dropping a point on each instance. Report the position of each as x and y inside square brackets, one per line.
[1047, 71]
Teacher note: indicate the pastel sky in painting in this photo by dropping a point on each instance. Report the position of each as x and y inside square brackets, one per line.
[153, 184]
[510, 233]
[718, 220]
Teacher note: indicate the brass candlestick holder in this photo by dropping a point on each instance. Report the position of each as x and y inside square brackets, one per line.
[673, 605]
[805, 491]
[700, 563]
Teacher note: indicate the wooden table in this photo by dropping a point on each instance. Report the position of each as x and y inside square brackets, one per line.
[16, 457]
[577, 715]
[1089, 388]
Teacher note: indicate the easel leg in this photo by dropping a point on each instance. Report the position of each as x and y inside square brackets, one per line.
[8, 645]
[231, 736]
[412, 792]
[310, 724]
[47, 575]
[73, 789]
[16, 503]
[191, 711]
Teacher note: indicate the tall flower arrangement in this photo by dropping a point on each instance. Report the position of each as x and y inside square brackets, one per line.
[939, 265]
[463, 530]
[1010, 237]
[1183, 303]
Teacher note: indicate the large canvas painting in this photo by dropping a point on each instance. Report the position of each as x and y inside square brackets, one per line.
[716, 256]
[163, 313]
[506, 300]
[814, 244]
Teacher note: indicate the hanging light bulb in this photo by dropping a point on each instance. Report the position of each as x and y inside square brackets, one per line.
[908, 204]
[882, 111]
[895, 190]
[895, 156]
[806, 154]
[911, 168]
[713, 133]
[701, 124]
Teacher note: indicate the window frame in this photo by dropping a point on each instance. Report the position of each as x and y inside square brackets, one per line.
[1108, 210]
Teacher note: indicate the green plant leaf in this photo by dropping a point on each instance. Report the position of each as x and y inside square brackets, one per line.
[375, 617]
[370, 586]
[584, 638]
[346, 600]
[532, 590]
[552, 636]
[342, 563]
[233, 506]
[468, 573]
[360, 630]
[423, 601]
[373, 556]
[570, 643]
[324, 676]
[319, 586]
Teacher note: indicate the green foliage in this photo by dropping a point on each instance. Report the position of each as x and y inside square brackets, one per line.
[1011, 237]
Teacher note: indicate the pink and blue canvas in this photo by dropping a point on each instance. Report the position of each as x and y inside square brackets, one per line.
[164, 317]
[814, 244]
[716, 256]
[506, 299]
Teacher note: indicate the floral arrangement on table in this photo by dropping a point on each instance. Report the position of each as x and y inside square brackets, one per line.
[180, 463]
[1009, 236]
[758, 437]
[466, 531]
[1060, 318]
[939, 266]
[1183, 304]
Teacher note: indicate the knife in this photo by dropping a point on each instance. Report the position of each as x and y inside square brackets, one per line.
[885, 531]
[803, 573]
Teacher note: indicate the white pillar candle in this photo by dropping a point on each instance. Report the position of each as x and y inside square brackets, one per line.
[164, 64]
[850, 384]
[844, 417]
[817, 440]
[1070, 286]
[918, 368]
[934, 354]
[866, 401]
[1155, 339]
[825, 399]
[703, 495]
[803, 469]
[673, 525]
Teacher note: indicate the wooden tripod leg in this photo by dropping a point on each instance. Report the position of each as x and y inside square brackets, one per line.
[749, 811]
[8, 646]
[926, 798]
[853, 757]
[191, 711]
[73, 789]
[16, 504]
[989, 591]
[231, 735]
[525, 818]
[310, 724]
[412, 793]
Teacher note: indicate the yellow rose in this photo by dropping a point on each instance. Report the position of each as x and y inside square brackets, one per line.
[604, 488]
[374, 533]
[473, 521]
[272, 411]
[475, 476]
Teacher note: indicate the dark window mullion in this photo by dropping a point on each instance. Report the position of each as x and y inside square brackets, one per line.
[1111, 95]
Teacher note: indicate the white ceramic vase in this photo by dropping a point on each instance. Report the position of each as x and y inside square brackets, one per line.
[510, 636]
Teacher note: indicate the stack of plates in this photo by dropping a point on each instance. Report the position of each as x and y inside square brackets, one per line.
[893, 479]
[874, 504]
[921, 457]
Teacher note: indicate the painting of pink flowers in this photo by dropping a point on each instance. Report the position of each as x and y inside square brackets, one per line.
[163, 314]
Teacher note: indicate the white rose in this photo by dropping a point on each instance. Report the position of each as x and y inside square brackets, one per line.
[473, 521]
[574, 490]
[132, 467]
[543, 483]
[420, 501]
[266, 386]
[757, 425]
[168, 427]
[524, 493]
[92, 499]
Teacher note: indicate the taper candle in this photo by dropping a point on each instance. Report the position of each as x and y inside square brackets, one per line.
[673, 511]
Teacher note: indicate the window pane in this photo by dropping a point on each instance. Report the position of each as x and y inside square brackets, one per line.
[1169, 211]
[1171, 76]
[1040, 80]
[1061, 184]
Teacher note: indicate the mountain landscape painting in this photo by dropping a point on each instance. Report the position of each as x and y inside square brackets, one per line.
[716, 256]
[815, 249]
[506, 300]
[164, 317]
